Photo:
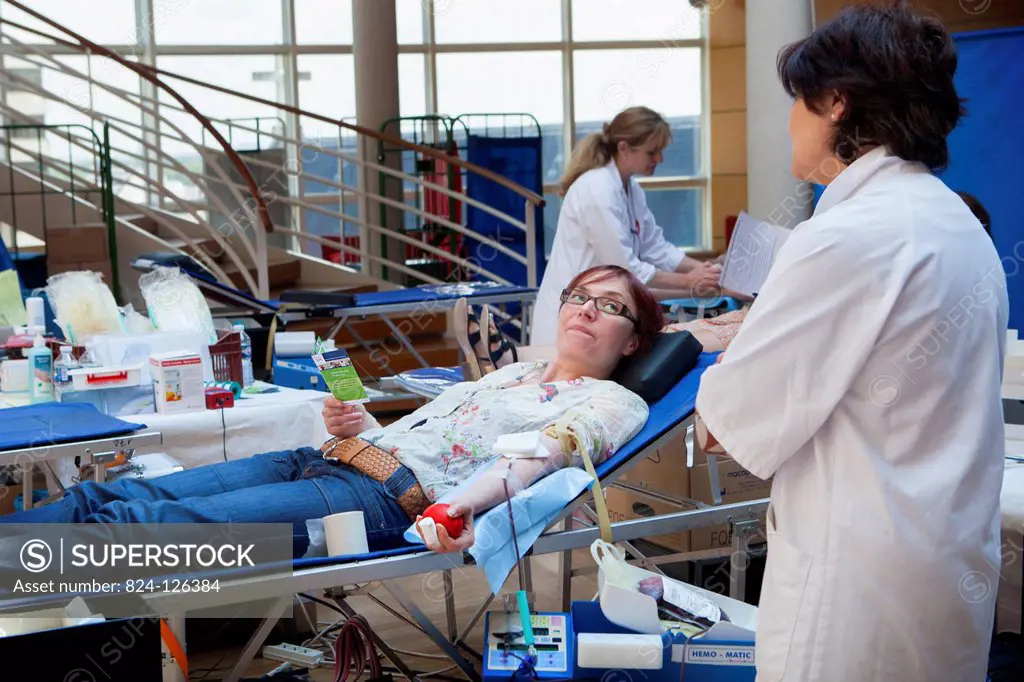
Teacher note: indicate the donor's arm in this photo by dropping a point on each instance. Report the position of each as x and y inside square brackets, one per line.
[598, 427]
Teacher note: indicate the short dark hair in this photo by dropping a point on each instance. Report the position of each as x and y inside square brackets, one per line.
[894, 68]
[978, 210]
[649, 316]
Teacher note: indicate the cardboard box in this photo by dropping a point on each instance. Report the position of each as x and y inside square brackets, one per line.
[178, 382]
[663, 472]
[735, 484]
[77, 244]
[624, 505]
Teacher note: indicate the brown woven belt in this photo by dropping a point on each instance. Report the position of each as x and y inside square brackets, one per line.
[379, 465]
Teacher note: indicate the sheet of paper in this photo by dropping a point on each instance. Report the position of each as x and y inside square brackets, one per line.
[12, 307]
[752, 249]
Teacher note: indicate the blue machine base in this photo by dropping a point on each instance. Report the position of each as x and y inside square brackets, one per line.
[300, 373]
[553, 638]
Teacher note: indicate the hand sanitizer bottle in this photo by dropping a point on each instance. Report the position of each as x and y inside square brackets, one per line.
[40, 371]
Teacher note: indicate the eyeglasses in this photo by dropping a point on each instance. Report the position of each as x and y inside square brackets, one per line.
[609, 306]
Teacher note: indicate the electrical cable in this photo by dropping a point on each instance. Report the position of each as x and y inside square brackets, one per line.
[354, 649]
[322, 602]
[224, 429]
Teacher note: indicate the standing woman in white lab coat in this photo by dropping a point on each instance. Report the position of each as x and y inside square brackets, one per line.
[604, 218]
[866, 378]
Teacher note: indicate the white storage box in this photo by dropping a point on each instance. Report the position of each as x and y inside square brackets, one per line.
[92, 378]
[178, 382]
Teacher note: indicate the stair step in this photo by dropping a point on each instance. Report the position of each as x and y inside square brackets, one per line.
[59, 226]
[283, 272]
[212, 249]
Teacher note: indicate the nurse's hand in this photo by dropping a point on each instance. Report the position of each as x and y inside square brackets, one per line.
[342, 421]
[703, 281]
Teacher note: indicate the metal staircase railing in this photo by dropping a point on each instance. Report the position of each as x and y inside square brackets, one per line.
[230, 206]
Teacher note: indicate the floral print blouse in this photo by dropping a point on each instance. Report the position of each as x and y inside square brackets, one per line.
[445, 441]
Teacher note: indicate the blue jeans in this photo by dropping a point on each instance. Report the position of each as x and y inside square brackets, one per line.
[276, 487]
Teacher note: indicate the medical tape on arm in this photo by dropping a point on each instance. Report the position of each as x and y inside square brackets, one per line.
[569, 445]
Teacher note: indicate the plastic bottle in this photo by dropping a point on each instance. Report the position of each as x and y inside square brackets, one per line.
[36, 312]
[40, 371]
[62, 372]
[248, 379]
[88, 358]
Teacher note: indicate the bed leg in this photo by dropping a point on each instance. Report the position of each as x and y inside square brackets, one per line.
[27, 472]
[404, 340]
[565, 572]
[449, 605]
[172, 671]
[252, 647]
[388, 652]
[431, 630]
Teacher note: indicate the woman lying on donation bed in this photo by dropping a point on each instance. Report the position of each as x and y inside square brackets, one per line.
[393, 473]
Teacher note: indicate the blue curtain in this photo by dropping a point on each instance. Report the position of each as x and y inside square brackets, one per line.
[987, 148]
[518, 159]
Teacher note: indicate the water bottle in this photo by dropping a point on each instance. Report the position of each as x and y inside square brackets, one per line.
[62, 372]
[247, 376]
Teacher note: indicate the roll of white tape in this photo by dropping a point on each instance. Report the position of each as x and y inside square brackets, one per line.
[345, 533]
[294, 344]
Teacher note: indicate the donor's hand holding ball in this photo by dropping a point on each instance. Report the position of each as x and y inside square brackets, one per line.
[446, 527]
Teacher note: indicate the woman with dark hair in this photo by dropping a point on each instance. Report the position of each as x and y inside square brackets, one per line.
[979, 211]
[392, 473]
[866, 378]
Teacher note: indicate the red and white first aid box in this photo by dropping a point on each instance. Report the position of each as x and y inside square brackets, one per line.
[177, 382]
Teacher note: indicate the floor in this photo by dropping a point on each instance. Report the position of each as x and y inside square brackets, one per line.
[428, 591]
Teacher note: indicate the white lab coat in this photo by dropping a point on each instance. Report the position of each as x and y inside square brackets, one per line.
[866, 378]
[599, 224]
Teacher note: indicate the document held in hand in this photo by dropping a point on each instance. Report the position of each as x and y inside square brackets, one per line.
[752, 249]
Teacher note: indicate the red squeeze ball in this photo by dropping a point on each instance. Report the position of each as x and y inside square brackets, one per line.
[439, 512]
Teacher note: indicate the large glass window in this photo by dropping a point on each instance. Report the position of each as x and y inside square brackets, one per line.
[608, 81]
[327, 85]
[224, 22]
[410, 20]
[664, 20]
[456, 57]
[323, 22]
[114, 24]
[523, 21]
[531, 83]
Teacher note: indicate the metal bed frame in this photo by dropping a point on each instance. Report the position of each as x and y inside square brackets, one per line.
[278, 590]
[97, 452]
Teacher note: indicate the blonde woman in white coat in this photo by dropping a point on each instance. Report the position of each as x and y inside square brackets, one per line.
[604, 218]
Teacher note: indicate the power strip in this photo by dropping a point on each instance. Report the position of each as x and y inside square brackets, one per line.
[290, 653]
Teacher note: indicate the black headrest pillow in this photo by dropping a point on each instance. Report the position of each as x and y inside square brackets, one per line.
[652, 374]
